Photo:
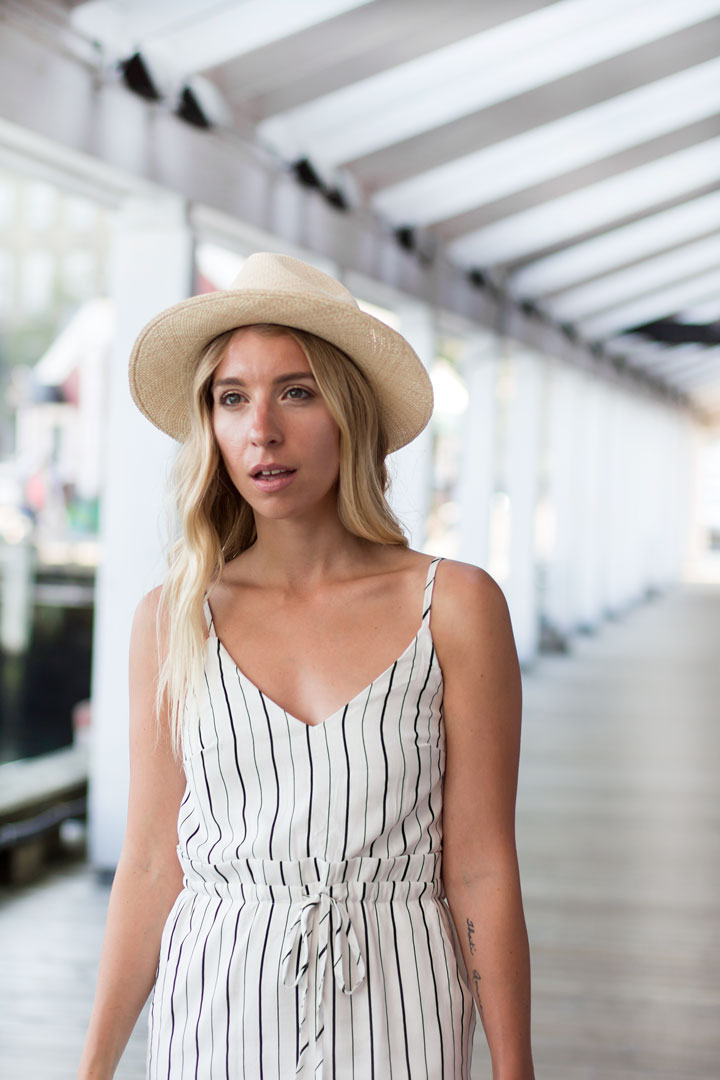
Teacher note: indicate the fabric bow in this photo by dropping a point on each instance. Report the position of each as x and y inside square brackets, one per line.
[320, 923]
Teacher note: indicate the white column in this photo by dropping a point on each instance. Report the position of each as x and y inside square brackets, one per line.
[480, 363]
[152, 268]
[589, 520]
[522, 474]
[411, 467]
[560, 595]
[684, 494]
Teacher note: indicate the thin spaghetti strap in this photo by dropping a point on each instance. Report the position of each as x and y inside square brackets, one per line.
[209, 618]
[429, 585]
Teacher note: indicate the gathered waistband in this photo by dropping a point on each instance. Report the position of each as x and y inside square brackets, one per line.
[289, 880]
[322, 938]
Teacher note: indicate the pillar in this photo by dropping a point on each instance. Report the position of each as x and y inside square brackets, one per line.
[152, 268]
[521, 483]
[480, 363]
[411, 467]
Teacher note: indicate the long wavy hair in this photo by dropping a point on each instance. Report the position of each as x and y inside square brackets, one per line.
[215, 524]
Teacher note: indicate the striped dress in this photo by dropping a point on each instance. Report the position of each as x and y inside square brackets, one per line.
[311, 937]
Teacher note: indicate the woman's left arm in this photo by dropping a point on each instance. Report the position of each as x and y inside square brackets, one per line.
[482, 707]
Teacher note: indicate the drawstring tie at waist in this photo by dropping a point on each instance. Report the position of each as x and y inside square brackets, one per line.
[321, 933]
[320, 930]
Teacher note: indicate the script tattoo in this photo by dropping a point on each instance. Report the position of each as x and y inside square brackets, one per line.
[476, 977]
[471, 931]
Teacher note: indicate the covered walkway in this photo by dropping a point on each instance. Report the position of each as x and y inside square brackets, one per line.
[619, 837]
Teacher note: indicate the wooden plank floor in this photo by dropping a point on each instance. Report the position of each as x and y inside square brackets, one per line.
[619, 838]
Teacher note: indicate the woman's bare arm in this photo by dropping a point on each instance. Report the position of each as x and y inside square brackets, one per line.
[482, 707]
[148, 877]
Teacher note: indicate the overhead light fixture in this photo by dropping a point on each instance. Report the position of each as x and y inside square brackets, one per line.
[189, 110]
[309, 177]
[138, 78]
[336, 198]
[306, 174]
[201, 104]
[406, 238]
[672, 332]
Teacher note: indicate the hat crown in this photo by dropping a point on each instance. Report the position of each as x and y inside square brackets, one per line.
[266, 271]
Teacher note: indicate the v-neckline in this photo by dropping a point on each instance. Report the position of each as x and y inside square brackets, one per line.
[321, 723]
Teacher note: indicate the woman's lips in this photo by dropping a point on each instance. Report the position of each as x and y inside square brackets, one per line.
[277, 482]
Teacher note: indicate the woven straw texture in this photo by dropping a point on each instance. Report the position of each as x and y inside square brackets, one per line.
[277, 289]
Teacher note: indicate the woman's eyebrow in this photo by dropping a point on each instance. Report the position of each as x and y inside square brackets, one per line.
[233, 380]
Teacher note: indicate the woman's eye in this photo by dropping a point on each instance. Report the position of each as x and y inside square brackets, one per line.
[230, 397]
[298, 393]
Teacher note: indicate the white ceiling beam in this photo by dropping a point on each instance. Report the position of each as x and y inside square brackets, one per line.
[649, 308]
[473, 74]
[644, 277]
[677, 367]
[700, 375]
[593, 207]
[627, 244]
[703, 313]
[193, 36]
[554, 148]
[674, 358]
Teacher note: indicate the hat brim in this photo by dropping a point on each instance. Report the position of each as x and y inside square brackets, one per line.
[167, 350]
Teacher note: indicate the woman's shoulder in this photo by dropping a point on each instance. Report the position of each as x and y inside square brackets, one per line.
[146, 612]
[469, 606]
[149, 621]
[459, 577]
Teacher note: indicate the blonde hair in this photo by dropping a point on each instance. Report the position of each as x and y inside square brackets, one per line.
[216, 524]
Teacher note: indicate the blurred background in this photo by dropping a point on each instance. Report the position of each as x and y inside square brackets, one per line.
[529, 192]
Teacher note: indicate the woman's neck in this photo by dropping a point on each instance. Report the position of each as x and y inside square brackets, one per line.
[295, 554]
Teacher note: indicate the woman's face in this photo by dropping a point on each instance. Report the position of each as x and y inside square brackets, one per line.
[280, 445]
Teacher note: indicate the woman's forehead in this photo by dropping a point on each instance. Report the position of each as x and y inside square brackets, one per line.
[259, 353]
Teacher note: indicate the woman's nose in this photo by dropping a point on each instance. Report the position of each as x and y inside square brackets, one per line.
[265, 426]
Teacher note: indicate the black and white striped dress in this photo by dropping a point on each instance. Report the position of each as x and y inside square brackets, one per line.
[311, 937]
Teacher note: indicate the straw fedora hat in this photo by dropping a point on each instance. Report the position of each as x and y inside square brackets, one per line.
[274, 288]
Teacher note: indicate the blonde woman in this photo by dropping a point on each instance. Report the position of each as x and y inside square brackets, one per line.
[319, 877]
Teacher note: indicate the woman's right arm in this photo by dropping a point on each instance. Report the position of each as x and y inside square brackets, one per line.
[148, 877]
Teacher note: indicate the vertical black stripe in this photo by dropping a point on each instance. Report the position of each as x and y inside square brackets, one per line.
[235, 746]
[243, 1011]
[222, 777]
[229, 1013]
[310, 797]
[417, 749]
[277, 781]
[347, 785]
[400, 987]
[367, 768]
[368, 978]
[240, 678]
[435, 988]
[172, 991]
[334, 1005]
[384, 983]
[419, 986]
[290, 846]
[401, 796]
[202, 993]
[385, 757]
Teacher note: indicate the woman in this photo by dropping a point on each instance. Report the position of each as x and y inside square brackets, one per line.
[296, 819]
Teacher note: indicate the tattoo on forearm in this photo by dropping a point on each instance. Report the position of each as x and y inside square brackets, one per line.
[476, 977]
